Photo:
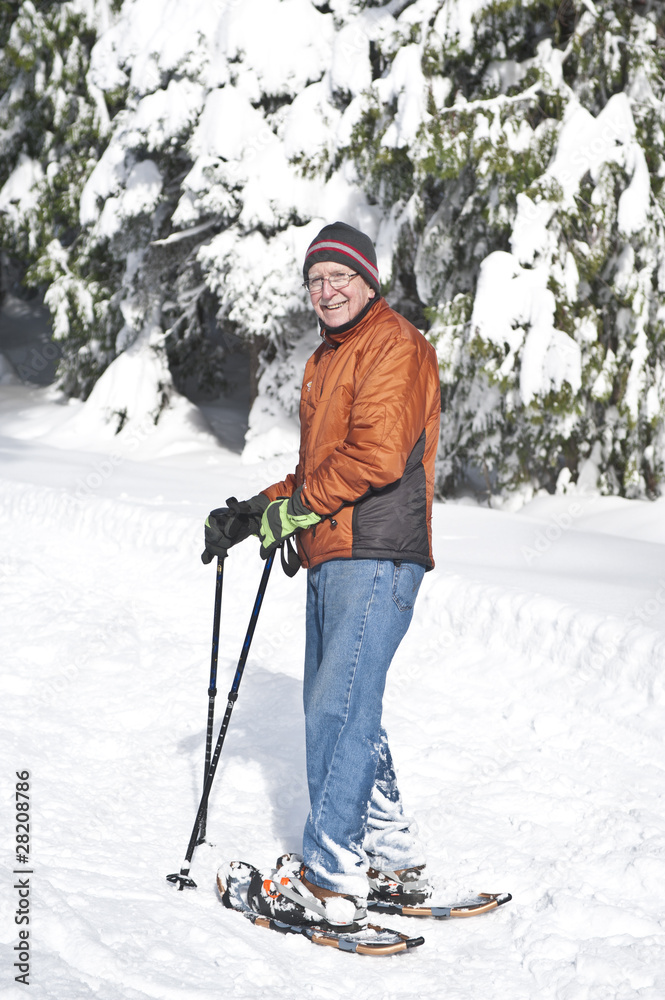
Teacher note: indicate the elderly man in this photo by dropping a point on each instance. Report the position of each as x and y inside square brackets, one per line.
[359, 504]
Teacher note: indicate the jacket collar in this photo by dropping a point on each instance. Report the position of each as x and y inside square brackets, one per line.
[336, 337]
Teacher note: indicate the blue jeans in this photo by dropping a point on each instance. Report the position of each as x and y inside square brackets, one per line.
[358, 611]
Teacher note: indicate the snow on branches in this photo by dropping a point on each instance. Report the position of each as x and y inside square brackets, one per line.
[506, 157]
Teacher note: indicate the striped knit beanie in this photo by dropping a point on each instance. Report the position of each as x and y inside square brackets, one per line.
[347, 246]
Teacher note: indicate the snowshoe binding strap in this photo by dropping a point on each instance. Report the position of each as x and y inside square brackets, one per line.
[295, 890]
[381, 880]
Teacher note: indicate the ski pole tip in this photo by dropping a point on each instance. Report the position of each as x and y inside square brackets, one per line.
[182, 880]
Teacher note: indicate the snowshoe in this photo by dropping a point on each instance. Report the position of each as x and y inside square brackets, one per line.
[408, 893]
[280, 901]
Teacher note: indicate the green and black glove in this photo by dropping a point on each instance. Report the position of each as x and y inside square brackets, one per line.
[281, 519]
[226, 526]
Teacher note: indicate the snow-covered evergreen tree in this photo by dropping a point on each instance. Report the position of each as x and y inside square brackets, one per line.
[53, 123]
[162, 177]
[191, 217]
[519, 151]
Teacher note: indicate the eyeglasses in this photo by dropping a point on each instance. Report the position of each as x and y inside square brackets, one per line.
[315, 285]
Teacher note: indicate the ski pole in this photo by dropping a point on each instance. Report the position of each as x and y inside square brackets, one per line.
[182, 879]
[212, 687]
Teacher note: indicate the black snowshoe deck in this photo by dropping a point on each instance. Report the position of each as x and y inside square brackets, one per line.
[372, 940]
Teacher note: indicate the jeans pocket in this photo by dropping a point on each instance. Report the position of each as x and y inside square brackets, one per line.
[406, 584]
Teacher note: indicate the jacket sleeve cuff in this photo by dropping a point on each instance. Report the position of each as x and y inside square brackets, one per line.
[296, 506]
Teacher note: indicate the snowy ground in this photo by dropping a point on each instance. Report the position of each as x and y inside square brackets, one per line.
[525, 709]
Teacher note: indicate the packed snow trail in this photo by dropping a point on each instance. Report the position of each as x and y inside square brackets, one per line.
[526, 723]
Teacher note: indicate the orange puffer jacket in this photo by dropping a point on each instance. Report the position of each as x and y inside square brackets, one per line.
[369, 419]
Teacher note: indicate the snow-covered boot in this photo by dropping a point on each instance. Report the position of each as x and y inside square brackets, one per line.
[407, 886]
[282, 895]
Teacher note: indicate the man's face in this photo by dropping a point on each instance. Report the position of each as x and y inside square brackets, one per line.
[337, 306]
